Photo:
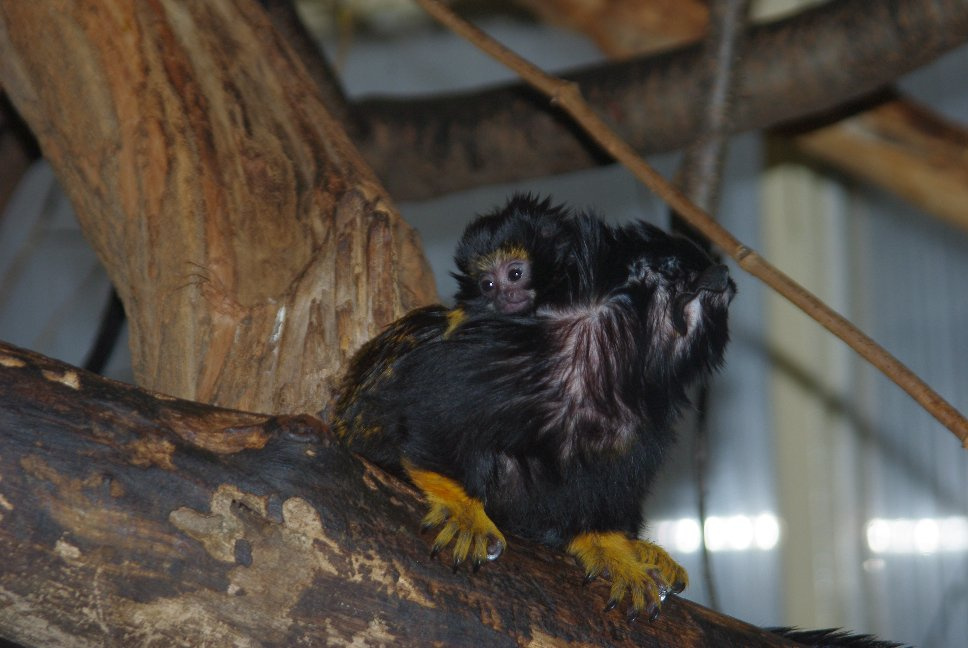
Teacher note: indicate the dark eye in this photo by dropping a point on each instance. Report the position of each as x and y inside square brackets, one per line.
[514, 274]
[487, 285]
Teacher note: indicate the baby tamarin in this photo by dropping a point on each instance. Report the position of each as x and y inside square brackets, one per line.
[551, 426]
[510, 261]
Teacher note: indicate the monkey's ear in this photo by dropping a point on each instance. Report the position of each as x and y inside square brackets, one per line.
[466, 287]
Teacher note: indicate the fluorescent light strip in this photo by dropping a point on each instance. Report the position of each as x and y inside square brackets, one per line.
[917, 535]
[735, 533]
[732, 533]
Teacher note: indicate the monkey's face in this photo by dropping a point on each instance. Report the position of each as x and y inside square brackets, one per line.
[504, 281]
[687, 297]
[511, 261]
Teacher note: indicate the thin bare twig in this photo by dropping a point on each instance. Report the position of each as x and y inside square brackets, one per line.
[700, 172]
[568, 97]
[700, 177]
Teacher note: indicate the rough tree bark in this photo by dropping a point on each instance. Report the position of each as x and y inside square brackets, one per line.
[252, 247]
[129, 518]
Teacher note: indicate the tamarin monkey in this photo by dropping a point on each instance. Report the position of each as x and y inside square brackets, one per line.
[550, 425]
[504, 257]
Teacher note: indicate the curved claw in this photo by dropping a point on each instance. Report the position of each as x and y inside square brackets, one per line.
[496, 548]
[637, 569]
[669, 571]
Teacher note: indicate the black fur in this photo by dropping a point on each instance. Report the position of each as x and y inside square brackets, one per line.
[556, 421]
[831, 638]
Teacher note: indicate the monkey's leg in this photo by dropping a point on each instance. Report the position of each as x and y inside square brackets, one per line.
[632, 567]
[465, 522]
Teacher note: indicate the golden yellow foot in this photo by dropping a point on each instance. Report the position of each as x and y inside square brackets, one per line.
[464, 521]
[639, 569]
[673, 574]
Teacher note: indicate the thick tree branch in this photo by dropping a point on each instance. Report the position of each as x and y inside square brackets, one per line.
[187, 525]
[789, 69]
[252, 247]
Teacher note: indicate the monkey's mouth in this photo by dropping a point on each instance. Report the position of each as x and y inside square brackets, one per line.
[512, 302]
[514, 306]
[714, 281]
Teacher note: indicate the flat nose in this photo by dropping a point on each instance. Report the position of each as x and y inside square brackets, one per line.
[714, 278]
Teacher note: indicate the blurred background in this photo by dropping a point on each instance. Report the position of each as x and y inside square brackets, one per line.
[830, 498]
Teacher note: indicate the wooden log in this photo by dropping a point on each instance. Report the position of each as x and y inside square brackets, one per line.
[623, 28]
[130, 518]
[251, 245]
[904, 147]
